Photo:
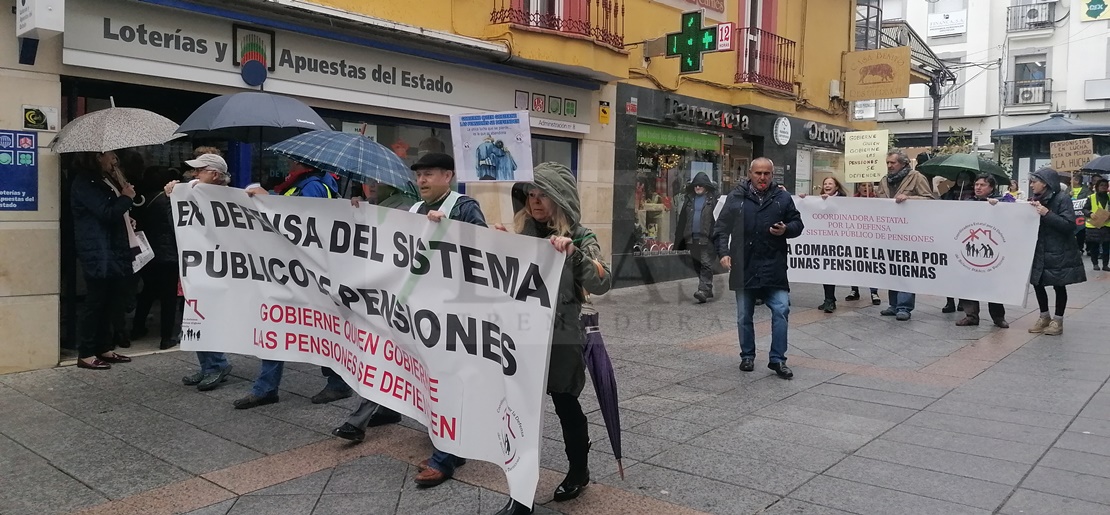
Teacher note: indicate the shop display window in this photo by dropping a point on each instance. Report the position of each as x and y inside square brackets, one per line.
[661, 178]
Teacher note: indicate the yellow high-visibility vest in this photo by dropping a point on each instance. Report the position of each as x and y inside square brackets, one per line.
[1095, 207]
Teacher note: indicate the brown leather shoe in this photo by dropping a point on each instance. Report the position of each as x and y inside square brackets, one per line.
[423, 465]
[966, 321]
[95, 364]
[430, 477]
[114, 358]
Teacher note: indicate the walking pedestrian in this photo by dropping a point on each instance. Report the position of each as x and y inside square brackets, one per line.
[902, 184]
[759, 217]
[985, 187]
[100, 200]
[1057, 260]
[553, 212]
[207, 168]
[1095, 210]
[1079, 192]
[303, 181]
[695, 226]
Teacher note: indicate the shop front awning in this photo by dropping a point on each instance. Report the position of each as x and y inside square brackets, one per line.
[1056, 123]
[924, 64]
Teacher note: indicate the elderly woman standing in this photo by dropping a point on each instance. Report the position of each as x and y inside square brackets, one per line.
[100, 200]
[1057, 261]
[551, 210]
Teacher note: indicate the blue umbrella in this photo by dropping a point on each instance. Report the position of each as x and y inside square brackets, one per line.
[348, 155]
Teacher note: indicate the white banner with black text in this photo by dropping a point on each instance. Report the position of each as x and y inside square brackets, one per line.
[447, 323]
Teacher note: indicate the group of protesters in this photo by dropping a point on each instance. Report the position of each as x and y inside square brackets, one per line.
[548, 208]
[761, 216]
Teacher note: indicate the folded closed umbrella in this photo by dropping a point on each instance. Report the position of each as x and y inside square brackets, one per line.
[605, 384]
[951, 166]
[252, 116]
[348, 155]
[114, 128]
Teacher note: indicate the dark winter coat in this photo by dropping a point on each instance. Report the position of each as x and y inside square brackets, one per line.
[584, 272]
[758, 257]
[155, 219]
[1056, 260]
[100, 233]
[684, 232]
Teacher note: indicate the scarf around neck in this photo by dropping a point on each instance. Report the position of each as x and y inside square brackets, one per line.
[896, 179]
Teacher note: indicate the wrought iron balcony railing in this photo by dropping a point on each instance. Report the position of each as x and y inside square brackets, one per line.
[765, 58]
[1021, 18]
[600, 20]
[1028, 92]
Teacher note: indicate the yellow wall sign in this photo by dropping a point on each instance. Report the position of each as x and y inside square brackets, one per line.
[1071, 155]
[603, 113]
[1094, 10]
[865, 155]
[876, 74]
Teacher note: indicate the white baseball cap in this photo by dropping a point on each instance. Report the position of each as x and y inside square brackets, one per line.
[209, 161]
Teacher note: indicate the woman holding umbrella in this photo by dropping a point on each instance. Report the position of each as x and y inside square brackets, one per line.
[100, 201]
[551, 210]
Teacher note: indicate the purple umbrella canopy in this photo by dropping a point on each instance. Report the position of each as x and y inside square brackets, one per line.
[605, 383]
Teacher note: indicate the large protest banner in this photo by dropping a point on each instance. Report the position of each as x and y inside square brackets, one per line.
[969, 250]
[447, 323]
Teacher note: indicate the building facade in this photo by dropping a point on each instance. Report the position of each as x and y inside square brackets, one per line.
[1024, 60]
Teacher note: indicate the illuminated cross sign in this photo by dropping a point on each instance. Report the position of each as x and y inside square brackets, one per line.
[694, 40]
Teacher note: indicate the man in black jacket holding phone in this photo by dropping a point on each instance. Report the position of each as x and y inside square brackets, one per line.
[759, 216]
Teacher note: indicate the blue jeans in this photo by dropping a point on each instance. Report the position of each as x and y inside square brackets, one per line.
[901, 301]
[444, 462]
[211, 362]
[269, 378]
[779, 303]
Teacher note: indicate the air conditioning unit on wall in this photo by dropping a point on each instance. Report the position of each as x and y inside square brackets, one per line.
[1030, 95]
[1037, 15]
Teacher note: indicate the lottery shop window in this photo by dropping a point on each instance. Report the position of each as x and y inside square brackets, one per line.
[662, 175]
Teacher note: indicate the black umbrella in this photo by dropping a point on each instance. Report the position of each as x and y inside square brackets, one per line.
[1098, 165]
[605, 384]
[252, 116]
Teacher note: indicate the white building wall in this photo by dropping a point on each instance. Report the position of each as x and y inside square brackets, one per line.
[1076, 52]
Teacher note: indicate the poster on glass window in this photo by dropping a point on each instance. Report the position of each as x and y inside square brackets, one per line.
[492, 146]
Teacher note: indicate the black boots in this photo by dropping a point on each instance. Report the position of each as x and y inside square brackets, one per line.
[514, 508]
[950, 306]
[576, 435]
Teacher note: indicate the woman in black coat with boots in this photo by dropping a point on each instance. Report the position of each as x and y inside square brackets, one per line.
[1057, 261]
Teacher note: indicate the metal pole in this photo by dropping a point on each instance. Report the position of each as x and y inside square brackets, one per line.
[934, 92]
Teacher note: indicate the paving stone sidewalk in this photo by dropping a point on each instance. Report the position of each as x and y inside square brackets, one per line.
[882, 417]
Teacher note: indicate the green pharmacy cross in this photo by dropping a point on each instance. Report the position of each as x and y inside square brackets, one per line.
[691, 42]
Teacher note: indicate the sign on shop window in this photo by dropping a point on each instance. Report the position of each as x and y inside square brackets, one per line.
[19, 171]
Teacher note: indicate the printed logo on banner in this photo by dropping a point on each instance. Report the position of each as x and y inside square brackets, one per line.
[510, 432]
[191, 320]
[981, 247]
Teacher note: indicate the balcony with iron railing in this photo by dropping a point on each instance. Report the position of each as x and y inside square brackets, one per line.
[601, 21]
[1031, 17]
[1032, 93]
[765, 59]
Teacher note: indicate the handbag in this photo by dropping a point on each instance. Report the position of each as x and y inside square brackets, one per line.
[141, 251]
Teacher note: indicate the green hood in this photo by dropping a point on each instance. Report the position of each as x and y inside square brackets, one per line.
[556, 181]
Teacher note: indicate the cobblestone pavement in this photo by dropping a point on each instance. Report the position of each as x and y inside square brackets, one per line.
[913, 417]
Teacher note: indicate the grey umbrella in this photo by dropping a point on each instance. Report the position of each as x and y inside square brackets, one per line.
[252, 116]
[114, 128]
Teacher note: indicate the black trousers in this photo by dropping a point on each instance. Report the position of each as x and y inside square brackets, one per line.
[159, 283]
[971, 309]
[576, 430]
[101, 316]
[703, 255]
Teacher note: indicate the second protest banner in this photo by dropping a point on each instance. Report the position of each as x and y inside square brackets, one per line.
[969, 250]
[448, 323]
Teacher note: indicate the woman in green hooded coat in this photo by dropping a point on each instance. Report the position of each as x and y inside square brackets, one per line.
[549, 208]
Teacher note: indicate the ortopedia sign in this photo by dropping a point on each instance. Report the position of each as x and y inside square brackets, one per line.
[969, 250]
[448, 323]
[153, 40]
